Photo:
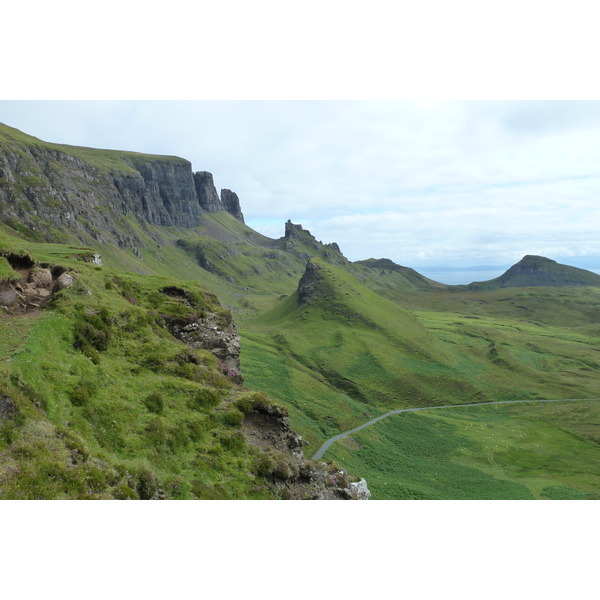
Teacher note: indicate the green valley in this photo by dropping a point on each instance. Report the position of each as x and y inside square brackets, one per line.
[129, 383]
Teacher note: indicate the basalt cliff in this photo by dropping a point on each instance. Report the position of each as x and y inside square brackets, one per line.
[51, 189]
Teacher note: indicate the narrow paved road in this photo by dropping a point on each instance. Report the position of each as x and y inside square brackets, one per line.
[330, 441]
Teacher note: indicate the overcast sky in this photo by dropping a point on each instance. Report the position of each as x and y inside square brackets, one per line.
[422, 183]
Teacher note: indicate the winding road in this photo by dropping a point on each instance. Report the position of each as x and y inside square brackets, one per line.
[330, 441]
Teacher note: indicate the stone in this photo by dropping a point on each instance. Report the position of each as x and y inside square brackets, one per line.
[40, 278]
[206, 335]
[64, 281]
[8, 295]
[8, 408]
[359, 490]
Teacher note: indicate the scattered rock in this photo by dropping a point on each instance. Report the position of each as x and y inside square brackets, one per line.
[292, 476]
[40, 278]
[8, 296]
[207, 335]
[8, 408]
[64, 281]
[359, 490]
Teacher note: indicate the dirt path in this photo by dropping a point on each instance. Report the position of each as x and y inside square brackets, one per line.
[330, 441]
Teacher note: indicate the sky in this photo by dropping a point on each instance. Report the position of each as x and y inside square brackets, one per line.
[424, 183]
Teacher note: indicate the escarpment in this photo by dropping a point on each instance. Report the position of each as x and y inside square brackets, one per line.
[48, 189]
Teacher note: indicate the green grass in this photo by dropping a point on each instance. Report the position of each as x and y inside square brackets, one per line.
[103, 160]
[6, 271]
[537, 451]
[348, 355]
[85, 378]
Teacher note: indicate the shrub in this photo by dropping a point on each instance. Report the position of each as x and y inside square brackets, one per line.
[146, 486]
[204, 491]
[92, 330]
[206, 398]
[156, 431]
[80, 396]
[262, 465]
[176, 487]
[234, 442]
[155, 403]
[122, 491]
[233, 418]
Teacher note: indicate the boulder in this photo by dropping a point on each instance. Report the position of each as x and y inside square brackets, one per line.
[8, 295]
[64, 281]
[8, 408]
[40, 278]
[359, 490]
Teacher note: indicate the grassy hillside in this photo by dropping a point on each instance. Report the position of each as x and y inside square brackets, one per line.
[99, 400]
[345, 355]
[103, 160]
[538, 271]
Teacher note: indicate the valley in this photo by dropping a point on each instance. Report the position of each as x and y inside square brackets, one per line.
[104, 397]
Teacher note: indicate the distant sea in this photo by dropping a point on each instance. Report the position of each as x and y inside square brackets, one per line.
[455, 276]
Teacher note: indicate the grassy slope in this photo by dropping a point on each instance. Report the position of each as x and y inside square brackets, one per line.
[538, 271]
[110, 404]
[103, 160]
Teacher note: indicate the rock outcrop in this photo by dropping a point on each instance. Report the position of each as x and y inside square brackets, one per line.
[308, 286]
[207, 193]
[33, 285]
[231, 203]
[208, 334]
[290, 475]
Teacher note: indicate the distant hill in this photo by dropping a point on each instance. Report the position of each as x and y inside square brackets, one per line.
[409, 277]
[533, 271]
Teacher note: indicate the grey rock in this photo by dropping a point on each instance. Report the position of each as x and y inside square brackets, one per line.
[40, 278]
[208, 197]
[359, 490]
[64, 281]
[207, 335]
[231, 203]
[8, 296]
[8, 408]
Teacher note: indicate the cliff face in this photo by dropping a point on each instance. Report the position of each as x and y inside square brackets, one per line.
[207, 193]
[50, 189]
[231, 203]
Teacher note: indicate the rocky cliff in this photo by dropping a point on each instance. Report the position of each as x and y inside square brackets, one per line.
[47, 190]
[231, 203]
